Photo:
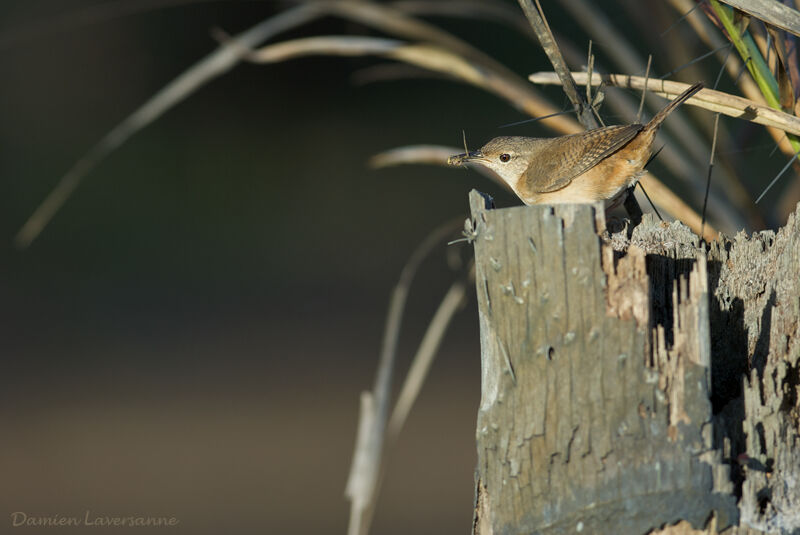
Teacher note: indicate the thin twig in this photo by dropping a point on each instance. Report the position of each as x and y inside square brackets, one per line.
[695, 60]
[680, 19]
[676, 206]
[780, 174]
[526, 121]
[589, 69]
[623, 52]
[722, 67]
[653, 206]
[538, 21]
[710, 169]
[644, 93]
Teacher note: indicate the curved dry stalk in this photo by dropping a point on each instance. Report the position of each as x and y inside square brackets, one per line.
[413, 154]
[215, 64]
[499, 79]
[453, 301]
[717, 101]
[430, 57]
[365, 471]
[395, 22]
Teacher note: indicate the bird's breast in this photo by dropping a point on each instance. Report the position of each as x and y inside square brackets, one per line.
[606, 180]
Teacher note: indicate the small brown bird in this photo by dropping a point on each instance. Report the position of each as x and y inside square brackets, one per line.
[597, 165]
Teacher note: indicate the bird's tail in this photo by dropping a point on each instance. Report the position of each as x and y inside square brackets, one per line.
[656, 121]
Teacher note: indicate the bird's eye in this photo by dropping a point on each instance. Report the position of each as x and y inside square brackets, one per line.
[505, 157]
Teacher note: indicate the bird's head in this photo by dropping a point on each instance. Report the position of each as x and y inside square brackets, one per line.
[507, 156]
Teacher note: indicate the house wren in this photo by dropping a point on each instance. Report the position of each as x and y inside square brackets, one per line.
[597, 165]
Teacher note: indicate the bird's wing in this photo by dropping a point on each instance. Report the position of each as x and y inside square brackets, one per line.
[580, 152]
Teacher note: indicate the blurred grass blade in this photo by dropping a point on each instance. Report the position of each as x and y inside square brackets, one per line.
[362, 478]
[430, 57]
[363, 483]
[499, 79]
[413, 154]
[453, 301]
[215, 64]
[749, 52]
[428, 155]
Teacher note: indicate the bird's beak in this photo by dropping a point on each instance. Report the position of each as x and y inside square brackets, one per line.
[461, 159]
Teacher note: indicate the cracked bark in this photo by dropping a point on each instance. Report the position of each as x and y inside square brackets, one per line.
[634, 384]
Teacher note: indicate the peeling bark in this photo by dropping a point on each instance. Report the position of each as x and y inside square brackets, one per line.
[635, 384]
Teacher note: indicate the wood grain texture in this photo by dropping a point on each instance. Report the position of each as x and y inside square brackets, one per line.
[632, 384]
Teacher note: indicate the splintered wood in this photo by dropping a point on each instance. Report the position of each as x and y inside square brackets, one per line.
[596, 411]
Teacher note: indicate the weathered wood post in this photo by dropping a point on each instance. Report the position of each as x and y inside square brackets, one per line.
[596, 411]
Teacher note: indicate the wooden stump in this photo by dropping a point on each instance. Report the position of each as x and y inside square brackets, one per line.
[598, 413]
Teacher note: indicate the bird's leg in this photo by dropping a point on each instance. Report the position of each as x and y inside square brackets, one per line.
[633, 208]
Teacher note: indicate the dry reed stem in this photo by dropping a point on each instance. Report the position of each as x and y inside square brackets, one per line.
[709, 99]
[623, 53]
[735, 197]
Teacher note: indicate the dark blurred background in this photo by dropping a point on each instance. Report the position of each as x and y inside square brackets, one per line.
[190, 335]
